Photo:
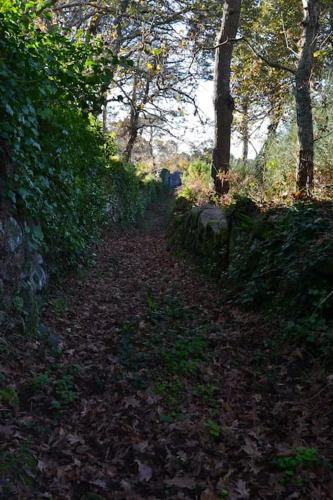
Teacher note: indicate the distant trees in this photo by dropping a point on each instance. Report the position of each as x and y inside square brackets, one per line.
[278, 51]
[153, 36]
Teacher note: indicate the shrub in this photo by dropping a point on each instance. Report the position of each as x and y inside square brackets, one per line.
[130, 190]
[196, 182]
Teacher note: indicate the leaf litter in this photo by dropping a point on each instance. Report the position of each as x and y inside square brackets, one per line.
[158, 389]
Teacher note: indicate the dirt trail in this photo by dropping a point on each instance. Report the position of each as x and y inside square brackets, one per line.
[154, 389]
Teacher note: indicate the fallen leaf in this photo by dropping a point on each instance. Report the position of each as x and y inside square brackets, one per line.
[145, 472]
[181, 482]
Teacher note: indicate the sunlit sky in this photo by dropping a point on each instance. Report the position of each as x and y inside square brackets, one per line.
[192, 133]
[197, 134]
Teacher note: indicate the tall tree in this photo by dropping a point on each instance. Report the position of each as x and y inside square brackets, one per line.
[223, 101]
[310, 28]
[153, 36]
[288, 44]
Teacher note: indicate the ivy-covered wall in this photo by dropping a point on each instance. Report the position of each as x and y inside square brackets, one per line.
[22, 270]
[276, 260]
[59, 181]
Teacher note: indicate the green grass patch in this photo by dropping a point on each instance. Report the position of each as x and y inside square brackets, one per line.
[17, 469]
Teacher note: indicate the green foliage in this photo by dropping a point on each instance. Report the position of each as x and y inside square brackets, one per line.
[9, 396]
[287, 268]
[50, 88]
[56, 385]
[65, 176]
[59, 306]
[130, 190]
[314, 331]
[16, 468]
[196, 182]
[18, 303]
[39, 381]
[171, 392]
[281, 155]
[185, 356]
[297, 459]
[207, 392]
[64, 391]
[213, 429]
[169, 350]
[288, 261]
[278, 259]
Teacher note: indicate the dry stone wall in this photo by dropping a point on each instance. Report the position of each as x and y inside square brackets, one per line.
[22, 273]
[203, 230]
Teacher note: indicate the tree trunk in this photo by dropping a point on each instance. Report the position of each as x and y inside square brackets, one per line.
[133, 134]
[133, 121]
[245, 129]
[105, 114]
[261, 159]
[136, 110]
[305, 166]
[223, 101]
[331, 22]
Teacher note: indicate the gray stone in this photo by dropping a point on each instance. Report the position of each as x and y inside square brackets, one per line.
[13, 235]
[54, 341]
[3, 317]
[38, 276]
[38, 279]
[215, 218]
[22, 274]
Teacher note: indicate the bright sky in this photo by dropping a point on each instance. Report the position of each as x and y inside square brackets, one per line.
[197, 134]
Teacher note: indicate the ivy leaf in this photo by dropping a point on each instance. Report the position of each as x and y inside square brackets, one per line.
[9, 110]
[23, 193]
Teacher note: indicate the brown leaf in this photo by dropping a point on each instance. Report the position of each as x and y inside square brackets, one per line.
[208, 494]
[6, 430]
[181, 482]
[251, 448]
[100, 483]
[241, 488]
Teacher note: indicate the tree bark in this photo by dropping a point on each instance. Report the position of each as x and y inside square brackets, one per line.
[245, 129]
[105, 114]
[136, 110]
[133, 134]
[261, 159]
[305, 165]
[223, 101]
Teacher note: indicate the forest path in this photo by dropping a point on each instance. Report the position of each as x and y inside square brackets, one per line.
[142, 329]
[157, 389]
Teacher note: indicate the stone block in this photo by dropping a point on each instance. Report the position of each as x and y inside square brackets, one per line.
[13, 235]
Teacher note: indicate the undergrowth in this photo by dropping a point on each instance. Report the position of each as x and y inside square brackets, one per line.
[276, 260]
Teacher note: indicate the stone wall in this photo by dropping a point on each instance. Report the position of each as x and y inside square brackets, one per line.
[22, 274]
[277, 257]
[203, 231]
